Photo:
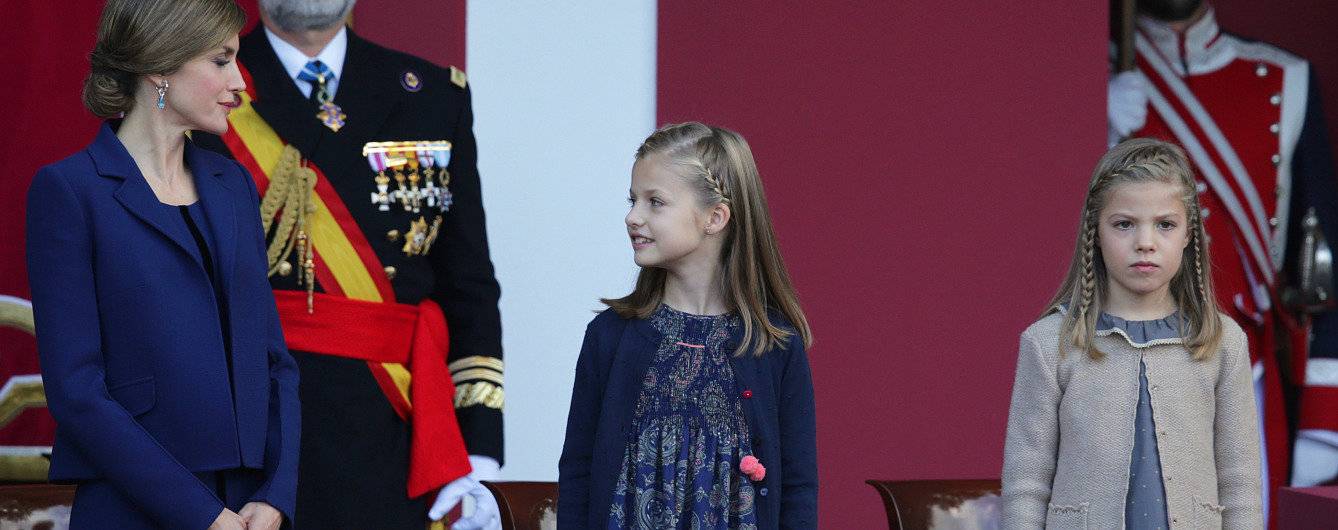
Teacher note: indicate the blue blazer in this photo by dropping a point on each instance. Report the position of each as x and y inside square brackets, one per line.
[609, 373]
[133, 360]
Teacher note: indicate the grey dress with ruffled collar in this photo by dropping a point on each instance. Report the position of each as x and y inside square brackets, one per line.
[1145, 505]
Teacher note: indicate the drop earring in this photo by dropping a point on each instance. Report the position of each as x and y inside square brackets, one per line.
[162, 95]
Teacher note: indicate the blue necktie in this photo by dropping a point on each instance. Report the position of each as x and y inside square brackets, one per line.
[318, 74]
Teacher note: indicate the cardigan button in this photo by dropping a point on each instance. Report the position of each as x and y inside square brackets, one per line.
[747, 394]
[762, 492]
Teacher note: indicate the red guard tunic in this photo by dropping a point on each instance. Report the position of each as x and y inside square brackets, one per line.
[1245, 114]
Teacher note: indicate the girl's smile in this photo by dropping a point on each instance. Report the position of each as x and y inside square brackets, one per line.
[667, 223]
[639, 241]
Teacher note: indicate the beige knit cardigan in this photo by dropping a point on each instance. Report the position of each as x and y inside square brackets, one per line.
[1071, 431]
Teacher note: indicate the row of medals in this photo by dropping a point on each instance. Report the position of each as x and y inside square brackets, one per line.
[418, 189]
[414, 198]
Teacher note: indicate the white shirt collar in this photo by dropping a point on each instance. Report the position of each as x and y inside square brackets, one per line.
[293, 59]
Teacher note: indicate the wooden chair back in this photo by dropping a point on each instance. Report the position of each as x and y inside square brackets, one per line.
[35, 506]
[940, 504]
[526, 505]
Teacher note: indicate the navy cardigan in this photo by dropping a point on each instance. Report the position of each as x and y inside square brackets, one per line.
[614, 359]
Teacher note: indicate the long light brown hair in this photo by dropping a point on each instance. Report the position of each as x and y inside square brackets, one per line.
[719, 165]
[151, 37]
[1084, 290]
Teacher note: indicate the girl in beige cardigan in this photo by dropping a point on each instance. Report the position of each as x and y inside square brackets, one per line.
[1132, 405]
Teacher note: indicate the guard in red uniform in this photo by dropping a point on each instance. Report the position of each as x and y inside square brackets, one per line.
[1248, 115]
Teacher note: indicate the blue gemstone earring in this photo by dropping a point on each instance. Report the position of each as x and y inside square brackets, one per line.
[162, 95]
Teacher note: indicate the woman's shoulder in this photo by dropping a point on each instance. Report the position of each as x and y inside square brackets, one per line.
[78, 162]
[66, 174]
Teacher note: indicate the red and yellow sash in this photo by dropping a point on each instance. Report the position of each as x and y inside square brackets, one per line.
[348, 268]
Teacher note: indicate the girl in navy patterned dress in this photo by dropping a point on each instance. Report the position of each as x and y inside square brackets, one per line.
[693, 403]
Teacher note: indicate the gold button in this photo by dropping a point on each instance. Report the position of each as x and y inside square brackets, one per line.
[285, 268]
[390, 273]
[393, 236]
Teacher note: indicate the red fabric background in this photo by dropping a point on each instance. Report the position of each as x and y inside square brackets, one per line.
[925, 163]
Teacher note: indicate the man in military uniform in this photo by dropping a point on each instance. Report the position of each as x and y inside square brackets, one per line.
[1248, 115]
[366, 161]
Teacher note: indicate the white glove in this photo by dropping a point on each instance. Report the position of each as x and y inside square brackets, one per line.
[485, 515]
[1126, 105]
[1316, 457]
[485, 468]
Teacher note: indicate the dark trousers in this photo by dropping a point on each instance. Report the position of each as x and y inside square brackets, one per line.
[99, 505]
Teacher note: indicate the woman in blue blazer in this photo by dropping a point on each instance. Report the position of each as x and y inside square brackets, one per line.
[175, 399]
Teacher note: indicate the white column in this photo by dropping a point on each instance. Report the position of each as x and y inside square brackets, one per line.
[564, 91]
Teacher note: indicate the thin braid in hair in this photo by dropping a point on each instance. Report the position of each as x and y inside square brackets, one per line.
[1088, 265]
[1088, 291]
[1199, 278]
[715, 184]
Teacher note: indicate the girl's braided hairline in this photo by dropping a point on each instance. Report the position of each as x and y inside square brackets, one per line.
[716, 185]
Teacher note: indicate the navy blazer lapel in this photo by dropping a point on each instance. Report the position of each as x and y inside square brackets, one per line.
[112, 160]
[219, 207]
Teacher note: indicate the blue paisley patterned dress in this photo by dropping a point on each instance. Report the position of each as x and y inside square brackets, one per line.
[681, 466]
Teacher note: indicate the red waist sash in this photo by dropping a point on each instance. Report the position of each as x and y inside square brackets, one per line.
[415, 336]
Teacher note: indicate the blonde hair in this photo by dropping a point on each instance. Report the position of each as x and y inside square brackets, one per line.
[719, 164]
[147, 37]
[1084, 289]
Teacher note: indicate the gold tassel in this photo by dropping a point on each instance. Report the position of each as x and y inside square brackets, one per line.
[289, 199]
